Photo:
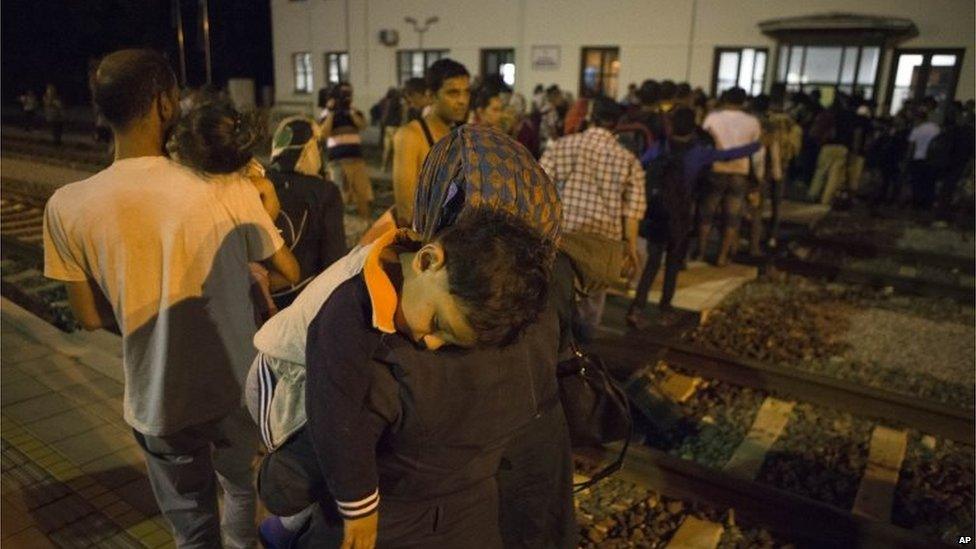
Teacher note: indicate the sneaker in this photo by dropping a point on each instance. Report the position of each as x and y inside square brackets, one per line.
[274, 535]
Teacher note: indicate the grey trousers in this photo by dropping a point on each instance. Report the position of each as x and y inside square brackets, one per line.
[590, 309]
[184, 469]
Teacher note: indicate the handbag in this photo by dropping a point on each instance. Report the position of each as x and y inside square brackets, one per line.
[596, 409]
[597, 260]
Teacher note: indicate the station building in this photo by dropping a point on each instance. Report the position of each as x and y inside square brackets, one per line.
[888, 50]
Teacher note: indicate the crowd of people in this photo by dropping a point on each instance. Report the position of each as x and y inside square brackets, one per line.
[405, 391]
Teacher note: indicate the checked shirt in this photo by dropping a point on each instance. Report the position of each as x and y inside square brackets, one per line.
[599, 181]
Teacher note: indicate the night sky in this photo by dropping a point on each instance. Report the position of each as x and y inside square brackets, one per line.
[53, 41]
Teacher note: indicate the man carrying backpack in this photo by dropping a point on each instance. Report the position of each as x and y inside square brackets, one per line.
[673, 167]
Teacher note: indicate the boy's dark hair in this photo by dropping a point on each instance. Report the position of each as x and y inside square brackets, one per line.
[415, 85]
[735, 96]
[441, 70]
[215, 138]
[668, 89]
[683, 91]
[649, 92]
[606, 112]
[127, 82]
[499, 268]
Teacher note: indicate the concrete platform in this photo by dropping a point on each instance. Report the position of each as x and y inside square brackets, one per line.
[72, 473]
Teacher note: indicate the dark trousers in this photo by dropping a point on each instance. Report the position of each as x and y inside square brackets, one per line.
[890, 187]
[923, 184]
[673, 251]
[57, 129]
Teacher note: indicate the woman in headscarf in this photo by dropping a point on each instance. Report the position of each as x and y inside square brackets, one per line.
[311, 217]
[490, 469]
[475, 166]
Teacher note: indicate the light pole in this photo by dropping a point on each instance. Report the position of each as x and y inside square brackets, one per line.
[421, 29]
[179, 40]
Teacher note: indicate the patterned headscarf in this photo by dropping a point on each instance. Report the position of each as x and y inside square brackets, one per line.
[477, 165]
[294, 147]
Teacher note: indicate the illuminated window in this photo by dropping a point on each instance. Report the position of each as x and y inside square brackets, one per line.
[742, 67]
[337, 67]
[599, 71]
[850, 69]
[920, 73]
[302, 62]
[413, 63]
[500, 62]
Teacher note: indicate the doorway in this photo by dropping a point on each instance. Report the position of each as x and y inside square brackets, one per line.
[920, 73]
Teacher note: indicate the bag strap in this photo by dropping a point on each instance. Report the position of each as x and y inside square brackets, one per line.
[617, 463]
[427, 134]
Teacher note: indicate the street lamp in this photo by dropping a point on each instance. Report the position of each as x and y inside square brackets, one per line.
[421, 29]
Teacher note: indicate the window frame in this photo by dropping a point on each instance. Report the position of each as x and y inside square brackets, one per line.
[927, 54]
[338, 54]
[837, 84]
[719, 50]
[485, 52]
[601, 76]
[309, 76]
[441, 52]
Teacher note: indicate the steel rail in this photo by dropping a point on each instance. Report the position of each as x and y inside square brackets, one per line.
[863, 249]
[905, 284]
[638, 349]
[801, 520]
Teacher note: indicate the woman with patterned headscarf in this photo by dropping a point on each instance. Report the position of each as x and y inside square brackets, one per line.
[498, 473]
[476, 166]
[311, 218]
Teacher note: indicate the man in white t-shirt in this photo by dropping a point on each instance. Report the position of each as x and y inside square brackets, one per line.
[920, 171]
[152, 250]
[730, 127]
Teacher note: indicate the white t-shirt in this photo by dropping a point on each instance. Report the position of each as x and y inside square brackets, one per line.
[283, 335]
[921, 136]
[169, 249]
[732, 128]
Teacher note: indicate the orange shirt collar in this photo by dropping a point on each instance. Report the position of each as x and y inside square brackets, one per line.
[381, 291]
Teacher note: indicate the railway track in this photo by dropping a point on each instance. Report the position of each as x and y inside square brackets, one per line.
[734, 483]
[69, 154]
[905, 270]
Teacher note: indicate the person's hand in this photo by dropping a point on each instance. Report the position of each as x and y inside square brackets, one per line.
[753, 199]
[629, 268]
[360, 533]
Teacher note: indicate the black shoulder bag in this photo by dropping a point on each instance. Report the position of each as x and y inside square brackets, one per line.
[596, 409]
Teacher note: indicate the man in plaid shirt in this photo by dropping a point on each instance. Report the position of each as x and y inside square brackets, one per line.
[601, 185]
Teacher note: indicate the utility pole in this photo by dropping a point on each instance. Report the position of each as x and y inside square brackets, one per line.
[421, 29]
[206, 40]
[180, 40]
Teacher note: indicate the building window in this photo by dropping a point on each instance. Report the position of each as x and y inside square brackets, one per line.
[337, 67]
[742, 67]
[500, 62]
[302, 62]
[850, 69]
[599, 70]
[413, 63]
[920, 73]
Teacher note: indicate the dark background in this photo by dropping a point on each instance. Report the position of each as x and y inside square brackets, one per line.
[53, 41]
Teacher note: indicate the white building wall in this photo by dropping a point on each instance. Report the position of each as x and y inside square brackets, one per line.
[657, 38]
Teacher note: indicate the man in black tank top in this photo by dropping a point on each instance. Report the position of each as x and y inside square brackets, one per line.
[450, 86]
